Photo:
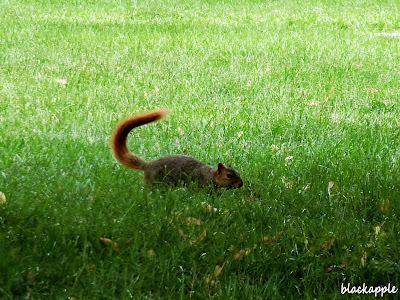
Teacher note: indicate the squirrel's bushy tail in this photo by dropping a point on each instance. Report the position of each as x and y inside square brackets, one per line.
[118, 140]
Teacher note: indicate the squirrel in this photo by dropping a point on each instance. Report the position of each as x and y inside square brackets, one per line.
[169, 169]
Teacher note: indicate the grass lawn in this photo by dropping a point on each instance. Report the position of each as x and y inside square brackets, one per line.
[301, 97]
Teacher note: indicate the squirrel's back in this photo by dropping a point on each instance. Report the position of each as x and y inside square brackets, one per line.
[173, 168]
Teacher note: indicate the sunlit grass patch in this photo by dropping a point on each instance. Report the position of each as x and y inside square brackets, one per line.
[302, 101]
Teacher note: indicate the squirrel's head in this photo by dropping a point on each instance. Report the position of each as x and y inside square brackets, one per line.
[225, 176]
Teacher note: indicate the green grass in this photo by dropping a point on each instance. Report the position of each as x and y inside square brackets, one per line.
[295, 94]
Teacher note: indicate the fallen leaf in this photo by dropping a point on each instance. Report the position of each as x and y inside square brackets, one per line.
[331, 93]
[218, 270]
[2, 198]
[243, 252]
[289, 185]
[274, 147]
[110, 243]
[330, 186]
[357, 65]
[385, 205]
[312, 103]
[265, 239]
[239, 254]
[30, 278]
[385, 102]
[211, 278]
[377, 230]
[192, 221]
[61, 81]
[208, 208]
[363, 258]
[273, 238]
[150, 253]
[308, 185]
[200, 238]
[327, 245]
[288, 160]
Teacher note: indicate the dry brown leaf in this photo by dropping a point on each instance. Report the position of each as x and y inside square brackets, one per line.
[274, 147]
[2, 198]
[273, 238]
[312, 103]
[110, 243]
[218, 270]
[239, 254]
[289, 185]
[200, 238]
[150, 253]
[385, 205]
[192, 221]
[265, 239]
[208, 208]
[330, 186]
[30, 278]
[377, 230]
[331, 93]
[385, 102]
[308, 185]
[61, 81]
[364, 258]
[243, 252]
[211, 278]
[331, 268]
[327, 245]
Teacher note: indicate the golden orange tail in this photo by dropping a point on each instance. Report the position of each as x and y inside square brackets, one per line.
[118, 140]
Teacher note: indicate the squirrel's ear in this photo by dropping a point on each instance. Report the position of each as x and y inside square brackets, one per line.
[229, 165]
[221, 167]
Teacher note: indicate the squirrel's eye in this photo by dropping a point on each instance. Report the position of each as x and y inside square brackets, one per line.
[229, 175]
